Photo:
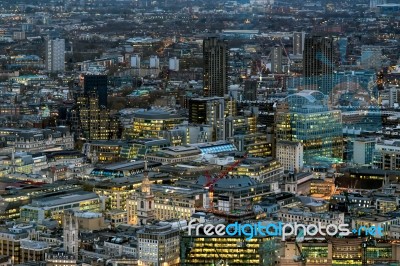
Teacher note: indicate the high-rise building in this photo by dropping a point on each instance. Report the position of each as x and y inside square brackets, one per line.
[154, 62]
[174, 64]
[71, 236]
[215, 58]
[371, 57]
[276, 59]
[306, 118]
[210, 111]
[55, 55]
[250, 90]
[318, 63]
[135, 61]
[95, 122]
[298, 42]
[98, 84]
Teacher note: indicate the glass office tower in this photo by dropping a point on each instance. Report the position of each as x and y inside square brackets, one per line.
[305, 117]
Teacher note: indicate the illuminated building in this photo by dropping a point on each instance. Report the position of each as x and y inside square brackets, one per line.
[290, 155]
[149, 123]
[235, 193]
[55, 55]
[158, 245]
[175, 154]
[185, 202]
[317, 253]
[54, 206]
[306, 118]
[256, 144]
[60, 258]
[215, 147]
[103, 151]
[233, 250]
[260, 170]
[10, 240]
[318, 63]
[215, 57]
[115, 194]
[135, 149]
[288, 215]
[96, 123]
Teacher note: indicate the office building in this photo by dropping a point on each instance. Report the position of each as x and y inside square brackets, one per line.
[298, 42]
[371, 57]
[363, 150]
[158, 245]
[151, 123]
[54, 206]
[97, 84]
[55, 55]
[209, 111]
[95, 121]
[318, 63]
[250, 90]
[10, 239]
[290, 155]
[33, 250]
[276, 59]
[215, 64]
[387, 155]
[233, 250]
[305, 117]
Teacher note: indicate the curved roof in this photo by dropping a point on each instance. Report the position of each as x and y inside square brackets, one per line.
[155, 114]
[306, 97]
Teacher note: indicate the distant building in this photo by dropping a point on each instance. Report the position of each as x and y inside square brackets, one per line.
[318, 63]
[363, 151]
[135, 61]
[154, 62]
[174, 64]
[215, 58]
[55, 55]
[371, 57]
[210, 111]
[97, 84]
[250, 90]
[290, 155]
[158, 245]
[60, 258]
[276, 59]
[298, 42]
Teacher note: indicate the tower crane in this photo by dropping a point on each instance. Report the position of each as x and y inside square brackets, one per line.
[210, 181]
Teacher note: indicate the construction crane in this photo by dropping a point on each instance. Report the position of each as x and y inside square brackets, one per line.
[210, 181]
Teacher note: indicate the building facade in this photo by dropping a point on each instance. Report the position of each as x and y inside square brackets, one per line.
[215, 57]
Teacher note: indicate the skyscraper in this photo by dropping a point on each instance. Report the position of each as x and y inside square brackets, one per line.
[215, 58]
[98, 84]
[276, 59]
[318, 63]
[298, 43]
[55, 55]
